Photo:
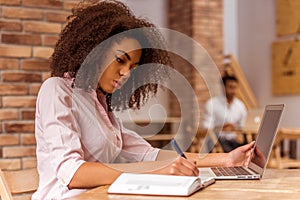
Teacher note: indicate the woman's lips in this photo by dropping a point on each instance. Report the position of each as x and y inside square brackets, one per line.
[117, 84]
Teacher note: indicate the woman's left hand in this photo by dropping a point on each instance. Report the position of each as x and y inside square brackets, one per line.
[241, 156]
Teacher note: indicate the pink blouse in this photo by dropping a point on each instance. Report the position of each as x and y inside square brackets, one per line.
[71, 128]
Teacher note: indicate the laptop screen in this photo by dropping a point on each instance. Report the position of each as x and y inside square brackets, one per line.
[266, 135]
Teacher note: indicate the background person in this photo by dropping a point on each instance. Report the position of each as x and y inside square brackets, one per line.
[224, 114]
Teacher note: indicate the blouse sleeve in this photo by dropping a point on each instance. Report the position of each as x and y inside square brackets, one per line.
[135, 148]
[59, 132]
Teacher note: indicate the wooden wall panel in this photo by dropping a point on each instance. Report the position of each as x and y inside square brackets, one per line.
[286, 67]
[288, 17]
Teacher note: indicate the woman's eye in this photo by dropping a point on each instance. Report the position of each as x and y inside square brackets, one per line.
[119, 60]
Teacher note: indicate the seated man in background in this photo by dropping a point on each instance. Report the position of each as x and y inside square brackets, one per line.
[224, 114]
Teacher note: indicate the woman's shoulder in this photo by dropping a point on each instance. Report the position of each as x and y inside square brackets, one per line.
[56, 84]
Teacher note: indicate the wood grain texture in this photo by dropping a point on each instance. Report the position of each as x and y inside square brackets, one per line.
[276, 184]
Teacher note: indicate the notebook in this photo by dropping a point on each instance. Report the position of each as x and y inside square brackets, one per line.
[262, 149]
[156, 184]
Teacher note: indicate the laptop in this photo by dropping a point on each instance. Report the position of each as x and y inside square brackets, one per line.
[261, 150]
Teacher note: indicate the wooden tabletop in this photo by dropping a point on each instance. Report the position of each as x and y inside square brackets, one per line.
[276, 184]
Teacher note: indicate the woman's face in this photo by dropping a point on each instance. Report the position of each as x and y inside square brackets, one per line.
[119, 61]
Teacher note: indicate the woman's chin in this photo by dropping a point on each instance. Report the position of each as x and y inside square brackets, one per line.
[111, 90]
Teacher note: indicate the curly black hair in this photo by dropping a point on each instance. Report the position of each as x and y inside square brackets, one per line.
[92, 28]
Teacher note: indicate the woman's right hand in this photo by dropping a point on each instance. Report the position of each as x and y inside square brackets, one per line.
[240, 156]
[180, 167]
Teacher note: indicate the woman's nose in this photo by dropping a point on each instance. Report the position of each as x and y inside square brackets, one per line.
[124, 70]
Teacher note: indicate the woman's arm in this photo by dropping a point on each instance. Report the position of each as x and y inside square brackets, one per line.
[92, 174]
[168, 162]
[205, 160]
[238, 157]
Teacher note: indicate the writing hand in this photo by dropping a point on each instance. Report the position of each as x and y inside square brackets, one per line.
[180, 167]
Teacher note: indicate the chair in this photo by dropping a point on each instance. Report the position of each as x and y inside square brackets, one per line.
[18, 182]
[284, 161]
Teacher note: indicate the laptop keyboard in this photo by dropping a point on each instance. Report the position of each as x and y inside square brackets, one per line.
[230, 171]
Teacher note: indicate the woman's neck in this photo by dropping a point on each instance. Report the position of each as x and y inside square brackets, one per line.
[100, 93]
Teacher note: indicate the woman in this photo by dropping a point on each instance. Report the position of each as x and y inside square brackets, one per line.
[79, 140]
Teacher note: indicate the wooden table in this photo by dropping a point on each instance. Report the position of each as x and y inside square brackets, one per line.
[276, 184]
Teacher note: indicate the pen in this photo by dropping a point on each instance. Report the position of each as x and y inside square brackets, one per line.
[177, 148]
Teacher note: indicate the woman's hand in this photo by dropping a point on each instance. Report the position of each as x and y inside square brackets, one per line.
[258, 157]
[180, 167]
[240, 156]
